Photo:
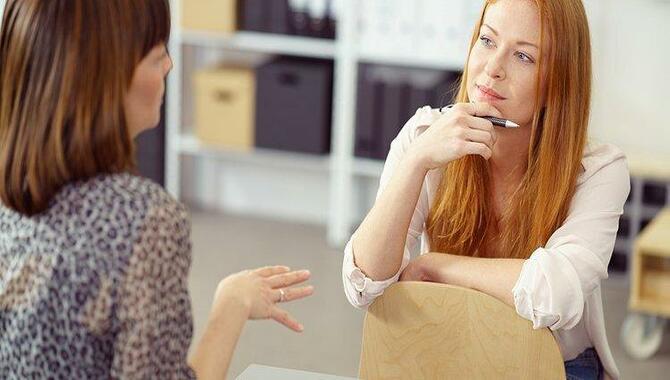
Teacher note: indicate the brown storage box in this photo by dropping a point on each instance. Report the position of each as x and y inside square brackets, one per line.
[225, 107]
[211, 15]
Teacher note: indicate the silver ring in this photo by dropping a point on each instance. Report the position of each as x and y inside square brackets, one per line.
[281, 295]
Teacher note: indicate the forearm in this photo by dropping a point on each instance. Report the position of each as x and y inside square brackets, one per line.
[380, 240]
[213, 354]
[495, 277]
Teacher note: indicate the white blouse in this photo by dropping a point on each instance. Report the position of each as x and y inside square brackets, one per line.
[559, 285]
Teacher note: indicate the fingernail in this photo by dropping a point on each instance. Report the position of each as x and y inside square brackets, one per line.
[301, 327]
[305, 271]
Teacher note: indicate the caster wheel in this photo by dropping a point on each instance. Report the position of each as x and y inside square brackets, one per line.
[641, 335]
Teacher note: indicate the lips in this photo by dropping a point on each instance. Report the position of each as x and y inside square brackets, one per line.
[490, 93]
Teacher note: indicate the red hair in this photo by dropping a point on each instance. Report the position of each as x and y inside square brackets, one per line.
[462, 219]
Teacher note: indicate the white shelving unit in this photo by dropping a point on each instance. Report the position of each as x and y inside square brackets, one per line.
[341, 167]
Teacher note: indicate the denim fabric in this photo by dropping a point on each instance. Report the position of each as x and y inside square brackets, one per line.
[586, 366]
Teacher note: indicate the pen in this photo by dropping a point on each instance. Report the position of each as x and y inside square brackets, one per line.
[495, 120]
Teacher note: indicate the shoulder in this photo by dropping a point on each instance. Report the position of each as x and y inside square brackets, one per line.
[119, 202]
[118, 192]
[603, 161]
[605, 181]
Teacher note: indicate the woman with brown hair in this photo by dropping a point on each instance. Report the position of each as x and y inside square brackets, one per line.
[528, 215]
[94, 259]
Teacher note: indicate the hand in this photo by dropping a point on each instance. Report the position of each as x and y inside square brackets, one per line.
[259, 290]
[413, 271]
[455, 134]
[426, 267]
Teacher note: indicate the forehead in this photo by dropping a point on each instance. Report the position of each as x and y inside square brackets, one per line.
[517, 20]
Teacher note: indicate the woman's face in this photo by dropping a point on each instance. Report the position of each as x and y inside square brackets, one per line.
[145, 95]
[503, 64]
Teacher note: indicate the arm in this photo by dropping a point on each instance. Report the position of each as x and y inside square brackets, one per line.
[361, 287]
[495, 277]
[153, 320]
[378, 244]
[154, 323]
[212, 355]
[250, 294]
[553, 285]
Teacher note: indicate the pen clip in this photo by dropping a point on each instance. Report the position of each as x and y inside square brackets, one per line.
[445, 108]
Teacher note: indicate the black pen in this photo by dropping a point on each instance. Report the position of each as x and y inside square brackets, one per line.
[495, 120]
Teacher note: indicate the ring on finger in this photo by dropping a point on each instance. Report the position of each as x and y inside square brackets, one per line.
[282, 295]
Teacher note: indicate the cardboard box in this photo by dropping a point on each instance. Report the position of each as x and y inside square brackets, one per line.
[225, 107]
[210, 15]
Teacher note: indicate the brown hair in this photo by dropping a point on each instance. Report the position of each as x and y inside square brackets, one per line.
[462, 221]
[65, 68]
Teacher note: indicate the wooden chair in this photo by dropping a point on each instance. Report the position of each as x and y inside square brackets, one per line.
[420, 330]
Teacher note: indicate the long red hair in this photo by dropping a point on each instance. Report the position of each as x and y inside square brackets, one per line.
[461, 220]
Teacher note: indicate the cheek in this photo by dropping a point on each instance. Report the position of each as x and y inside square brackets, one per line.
[525, 96]
[152, 88]
[148, 87]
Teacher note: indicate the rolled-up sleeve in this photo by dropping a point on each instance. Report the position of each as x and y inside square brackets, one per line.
[558, 278]
[360, 289]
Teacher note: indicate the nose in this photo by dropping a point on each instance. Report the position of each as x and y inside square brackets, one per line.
[494, 67]
[170, 65]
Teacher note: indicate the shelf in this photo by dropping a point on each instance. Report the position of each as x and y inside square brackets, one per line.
[654, 290]
[190, 145]
[262, 43]
[409, 61]
[368, 167]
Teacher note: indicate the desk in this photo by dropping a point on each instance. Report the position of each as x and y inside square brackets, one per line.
[262, 372]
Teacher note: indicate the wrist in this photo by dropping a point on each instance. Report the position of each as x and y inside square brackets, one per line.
[435, 266]
[416, 162]
[228, 300]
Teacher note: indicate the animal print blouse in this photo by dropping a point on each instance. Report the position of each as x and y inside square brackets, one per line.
[96, 286]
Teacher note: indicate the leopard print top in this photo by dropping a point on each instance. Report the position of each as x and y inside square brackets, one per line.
[96, 286]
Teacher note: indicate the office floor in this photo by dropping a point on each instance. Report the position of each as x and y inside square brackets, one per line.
[224, 244]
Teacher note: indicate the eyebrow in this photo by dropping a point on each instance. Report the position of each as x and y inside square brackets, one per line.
[518, 42]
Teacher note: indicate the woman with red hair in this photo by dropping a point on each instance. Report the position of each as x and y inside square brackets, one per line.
[528, 215]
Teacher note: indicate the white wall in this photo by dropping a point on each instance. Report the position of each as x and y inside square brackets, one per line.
[632, 75]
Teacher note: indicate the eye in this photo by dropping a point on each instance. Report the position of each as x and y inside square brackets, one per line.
[486, 41]
[524, 57]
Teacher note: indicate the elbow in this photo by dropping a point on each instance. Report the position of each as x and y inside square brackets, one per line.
[558, 315]
[354, 286]
[356, 299]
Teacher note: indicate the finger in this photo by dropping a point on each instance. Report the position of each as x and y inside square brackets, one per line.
[478, 109]
[476, 135]
[482, 124]
[478, 148]
[283, 317]
[271, 270]
[478, 123]
[292, 294]
[287, 279]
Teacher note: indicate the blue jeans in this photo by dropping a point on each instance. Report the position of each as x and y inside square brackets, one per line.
[586, 366]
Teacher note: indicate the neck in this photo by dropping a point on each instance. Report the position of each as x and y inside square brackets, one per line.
[510, 155]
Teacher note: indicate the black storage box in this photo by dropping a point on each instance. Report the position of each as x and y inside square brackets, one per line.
[388, 97]
[368, 116]
[294, 104]
[264, 16]
[253, 15]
